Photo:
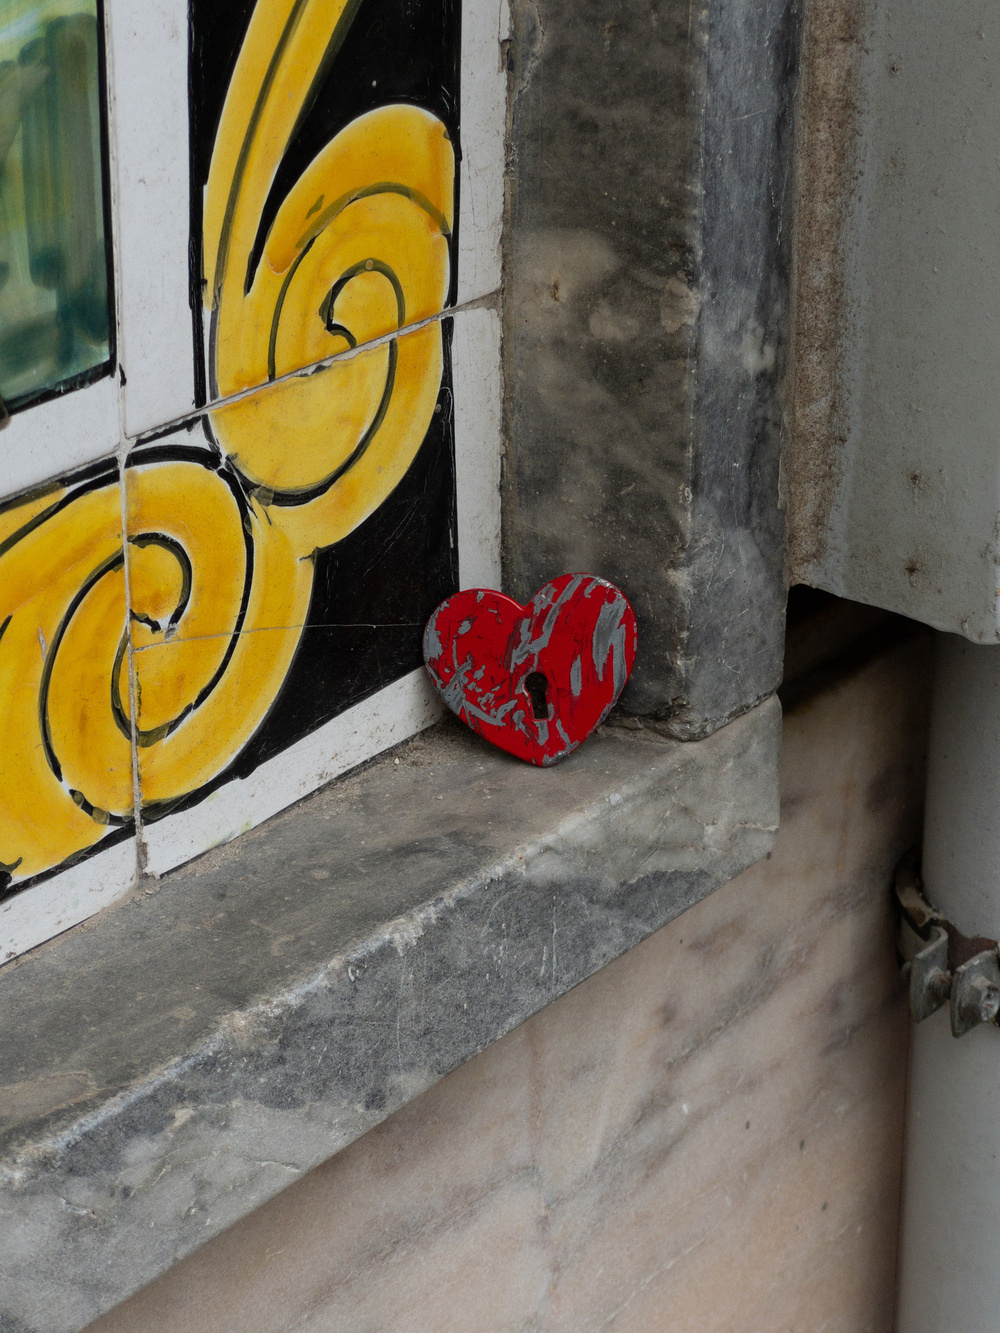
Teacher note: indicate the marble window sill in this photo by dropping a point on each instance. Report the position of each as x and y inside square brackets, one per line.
[173, 1063]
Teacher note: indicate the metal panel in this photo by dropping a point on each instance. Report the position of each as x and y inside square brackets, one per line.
[894, 464]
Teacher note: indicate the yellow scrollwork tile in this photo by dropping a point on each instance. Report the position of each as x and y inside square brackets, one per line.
[66, 759]
[359, 247]
[222, 567]
[158, 645]
[223, 540]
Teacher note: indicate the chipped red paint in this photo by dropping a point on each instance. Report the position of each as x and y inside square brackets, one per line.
[534, 680]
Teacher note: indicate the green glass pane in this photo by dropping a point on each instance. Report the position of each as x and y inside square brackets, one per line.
[54, 317]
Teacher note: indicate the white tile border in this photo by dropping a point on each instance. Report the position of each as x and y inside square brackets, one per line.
[148, 71]
[478, 442]
[395, 713]
[482, 126]
[44, 442]
[47, 909]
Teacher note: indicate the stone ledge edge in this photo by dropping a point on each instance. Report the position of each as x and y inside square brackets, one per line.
[99, 1208]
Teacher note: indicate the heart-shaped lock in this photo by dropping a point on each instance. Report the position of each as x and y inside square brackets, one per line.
[534, 680]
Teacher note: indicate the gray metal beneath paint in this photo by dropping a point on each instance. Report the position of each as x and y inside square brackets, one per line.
[903, 485]
[645, 318]
[185, 1056]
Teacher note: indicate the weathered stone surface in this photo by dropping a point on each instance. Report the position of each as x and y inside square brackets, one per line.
[183, 1057]
[646, 277]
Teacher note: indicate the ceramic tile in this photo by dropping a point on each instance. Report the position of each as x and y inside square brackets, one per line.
[66, 786]
[705, 1137]
[260, 235]
[283, 561]
[283, 550]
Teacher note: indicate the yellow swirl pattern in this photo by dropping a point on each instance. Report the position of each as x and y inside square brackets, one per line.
[220, 548]
[206, 579]
[357, 250]
[65, 770]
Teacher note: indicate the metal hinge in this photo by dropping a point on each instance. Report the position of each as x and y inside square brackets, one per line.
[940, 963]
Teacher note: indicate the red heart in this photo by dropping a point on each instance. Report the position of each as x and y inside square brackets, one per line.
[537, 679]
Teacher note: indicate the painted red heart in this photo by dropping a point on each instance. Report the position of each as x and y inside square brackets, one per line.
[534, 680]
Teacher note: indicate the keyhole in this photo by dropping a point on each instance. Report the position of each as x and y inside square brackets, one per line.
[537, 686]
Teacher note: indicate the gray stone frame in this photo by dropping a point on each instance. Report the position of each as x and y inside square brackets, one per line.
[646, 329]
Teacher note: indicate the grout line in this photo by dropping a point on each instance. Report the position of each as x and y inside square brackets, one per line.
[488, 302]
[122, 451]
[275, 629]
[133, 691]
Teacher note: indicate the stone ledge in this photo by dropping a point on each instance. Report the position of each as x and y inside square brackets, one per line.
[171, 1064]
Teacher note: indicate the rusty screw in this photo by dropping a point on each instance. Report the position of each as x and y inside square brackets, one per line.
[938, 986]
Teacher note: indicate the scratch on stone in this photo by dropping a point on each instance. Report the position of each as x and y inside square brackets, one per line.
[499, 903]
[663, 1268]
[399, 1020]
[553, 947]
[76, 1209]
